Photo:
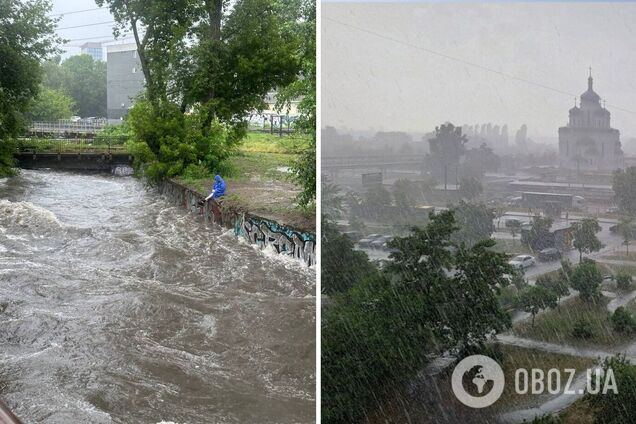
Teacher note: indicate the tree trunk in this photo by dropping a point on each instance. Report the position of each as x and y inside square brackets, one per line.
[214, 9]
[141, 44]
[533, 315]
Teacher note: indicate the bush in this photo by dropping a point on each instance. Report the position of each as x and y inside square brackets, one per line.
[583, 329]
[167, 142]
[616, 407]
[623, 281]
[623, 321]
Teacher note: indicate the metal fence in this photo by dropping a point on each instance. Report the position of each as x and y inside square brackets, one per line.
[66, 126]
[102, 144]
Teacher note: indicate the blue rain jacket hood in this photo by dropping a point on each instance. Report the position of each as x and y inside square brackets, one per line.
[218, 187]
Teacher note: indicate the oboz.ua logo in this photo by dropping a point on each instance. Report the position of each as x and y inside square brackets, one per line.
[478, 381]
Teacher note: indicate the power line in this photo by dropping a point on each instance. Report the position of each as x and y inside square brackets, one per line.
[88, 25]
[463, 61]
[107, 37]
[76, 11]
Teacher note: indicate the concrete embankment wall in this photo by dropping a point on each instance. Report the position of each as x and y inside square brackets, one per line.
[74, 161]
[253, 228]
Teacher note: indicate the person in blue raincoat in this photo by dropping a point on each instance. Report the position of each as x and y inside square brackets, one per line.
[218, 189]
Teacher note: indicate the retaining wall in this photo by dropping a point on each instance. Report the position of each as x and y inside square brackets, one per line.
[251, 227]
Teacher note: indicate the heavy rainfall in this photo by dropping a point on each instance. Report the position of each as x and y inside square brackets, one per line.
[478, 198]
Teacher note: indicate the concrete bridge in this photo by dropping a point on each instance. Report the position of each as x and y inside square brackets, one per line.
[93, 161]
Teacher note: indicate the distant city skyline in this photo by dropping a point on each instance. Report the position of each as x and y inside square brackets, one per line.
[410, 67]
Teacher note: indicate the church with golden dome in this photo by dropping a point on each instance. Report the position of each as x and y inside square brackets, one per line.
[588, 142]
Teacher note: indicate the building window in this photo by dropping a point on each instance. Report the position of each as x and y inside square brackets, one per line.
[134, 53]
[134, 70]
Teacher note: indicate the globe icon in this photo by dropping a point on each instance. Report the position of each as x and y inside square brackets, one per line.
[481, 373]
[480, 380]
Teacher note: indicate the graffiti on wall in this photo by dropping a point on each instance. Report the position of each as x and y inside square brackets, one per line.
[263, 232]
[284, 240]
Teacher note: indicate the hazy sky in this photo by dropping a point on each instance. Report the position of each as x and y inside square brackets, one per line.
[373, 82]
[82, 16]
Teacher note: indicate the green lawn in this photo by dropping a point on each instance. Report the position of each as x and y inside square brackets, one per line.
[272, 143]
[557, 325]
[516, 357]
[511, 247]
[579, 412]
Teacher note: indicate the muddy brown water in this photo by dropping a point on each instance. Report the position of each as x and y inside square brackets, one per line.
[118, 307]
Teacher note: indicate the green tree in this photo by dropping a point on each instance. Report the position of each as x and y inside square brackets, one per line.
[26, 38]
[626, 229]
[376, 199]
[455, 297]
[216, 60]
[403, 194]
[50, 105]
[332, 200]
[341, 265]
[623, 281]
[447, 149]
[583, 329]
[85, 82]
[373, 337]
[558, 286]
[539, 237]
[623, 321]
[624, 186]
[587, 279]
[518, 279]
[584, 234]
[615, 406]
[356, 224]
[384, 328]
[470, 188]
[305, 88]
[535, 298]
[474, 222]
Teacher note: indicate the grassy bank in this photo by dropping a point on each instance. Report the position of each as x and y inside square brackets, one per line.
[557, 325]
[516, 358]
[259, 179]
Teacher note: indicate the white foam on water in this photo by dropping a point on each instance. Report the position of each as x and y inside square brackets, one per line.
[208, 324]
[26, 215]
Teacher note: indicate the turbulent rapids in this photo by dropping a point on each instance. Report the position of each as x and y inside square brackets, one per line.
[116, 306]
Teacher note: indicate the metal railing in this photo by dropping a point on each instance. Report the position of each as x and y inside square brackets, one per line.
[66, 126]
[112, 144]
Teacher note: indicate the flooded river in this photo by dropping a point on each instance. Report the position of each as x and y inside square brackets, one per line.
[118, 307]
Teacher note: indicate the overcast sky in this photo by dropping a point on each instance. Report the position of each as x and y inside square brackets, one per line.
[82, 16]
[399, 82]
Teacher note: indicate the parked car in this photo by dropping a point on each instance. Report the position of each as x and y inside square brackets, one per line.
[515, 222]
[522, 261]
[380, 242]
[549, 254]
[366, 242]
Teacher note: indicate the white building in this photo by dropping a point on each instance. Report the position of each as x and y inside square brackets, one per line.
[588, 142]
